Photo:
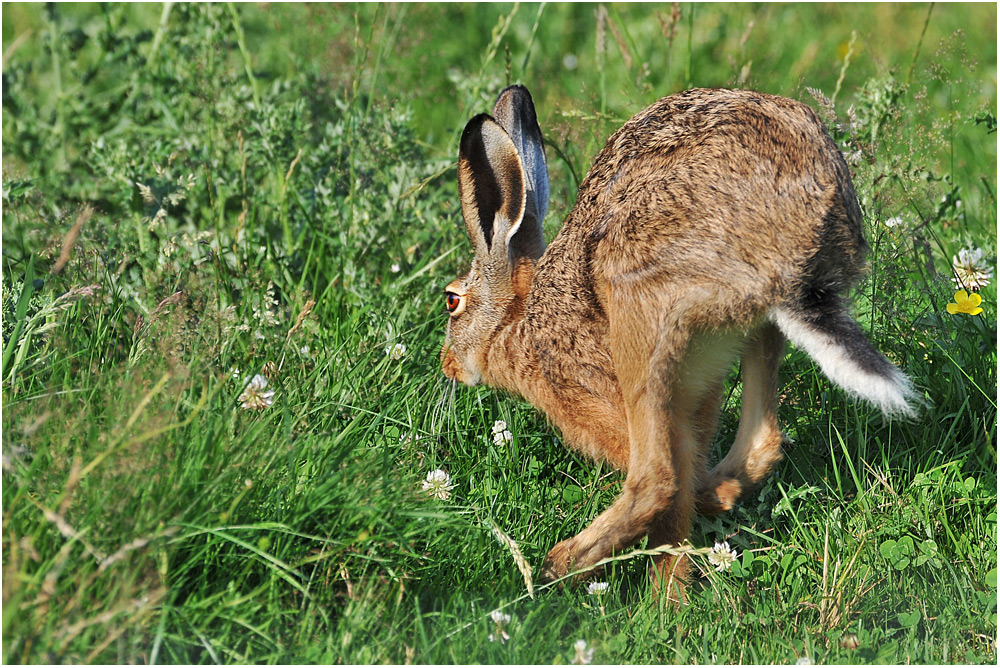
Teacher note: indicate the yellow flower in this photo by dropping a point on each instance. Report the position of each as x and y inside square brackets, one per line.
[965, 303]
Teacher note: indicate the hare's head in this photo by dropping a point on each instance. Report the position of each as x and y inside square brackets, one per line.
[504, 187]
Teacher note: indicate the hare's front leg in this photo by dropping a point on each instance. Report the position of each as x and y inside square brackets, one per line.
[757, 447]
[658, 489]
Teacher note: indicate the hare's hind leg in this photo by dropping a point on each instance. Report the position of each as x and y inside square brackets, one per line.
[757, 447]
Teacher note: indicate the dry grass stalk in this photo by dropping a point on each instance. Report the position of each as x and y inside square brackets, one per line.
[303, 314]
[69, 532]
[826, 110]
[622, 46]
[136, 544]
[70, 239]
[669, 25]
[602, 22]
[291, 167]
[515, 550]
[9, 51]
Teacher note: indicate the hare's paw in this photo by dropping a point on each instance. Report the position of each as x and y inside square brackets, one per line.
[569, 556]
[719, 495]
[558, 562]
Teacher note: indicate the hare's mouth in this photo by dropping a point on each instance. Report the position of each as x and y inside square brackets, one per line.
[450, 366]
[455, 370]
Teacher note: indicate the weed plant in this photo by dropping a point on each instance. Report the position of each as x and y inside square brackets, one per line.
[198, 195]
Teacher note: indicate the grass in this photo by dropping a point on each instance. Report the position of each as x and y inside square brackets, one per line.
[298, 218]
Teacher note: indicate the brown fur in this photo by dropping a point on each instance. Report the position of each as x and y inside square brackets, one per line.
[700, 214]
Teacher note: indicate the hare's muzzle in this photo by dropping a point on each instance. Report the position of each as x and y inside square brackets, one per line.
[454, 369]
[449, 363]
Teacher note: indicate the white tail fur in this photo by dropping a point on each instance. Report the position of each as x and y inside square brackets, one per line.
[843, 360]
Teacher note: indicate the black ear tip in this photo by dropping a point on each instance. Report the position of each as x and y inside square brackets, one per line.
[474, 125]
[518, 94]
[516, 89]
[472, 136]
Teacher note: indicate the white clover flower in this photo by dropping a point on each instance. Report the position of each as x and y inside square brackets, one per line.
[396, 351]
[406, 438]
[597, 588]
[804, 661]
[722, 556]
[503, 438]
[394, 268]
[438, 485]
[304, 351]
[501, 619]
[584, 654]
[895, 221]
[256, 395]
[971, 270]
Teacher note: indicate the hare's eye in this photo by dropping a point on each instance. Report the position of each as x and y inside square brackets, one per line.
[454, 302]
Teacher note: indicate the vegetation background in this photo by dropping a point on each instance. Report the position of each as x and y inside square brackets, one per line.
[197, 194]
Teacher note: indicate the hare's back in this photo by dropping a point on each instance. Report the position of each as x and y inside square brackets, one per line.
[738, 190]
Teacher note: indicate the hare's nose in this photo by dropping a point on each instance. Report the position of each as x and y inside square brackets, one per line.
[450, 366]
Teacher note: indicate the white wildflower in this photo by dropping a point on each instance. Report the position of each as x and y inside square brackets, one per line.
[394, 268]
[304, 351]
[256, 395]
[895, 221]
[406, 438]
[597, 588]
[438, 485]
[722, 556]
[501, 436]
[396, 351]
[584, 654]
[804, 661]
[971, 271]
[500, 619]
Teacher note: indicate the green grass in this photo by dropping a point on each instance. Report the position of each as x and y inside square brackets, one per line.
[299, 217]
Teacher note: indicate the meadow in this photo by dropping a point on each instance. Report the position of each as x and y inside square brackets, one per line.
[198, 195]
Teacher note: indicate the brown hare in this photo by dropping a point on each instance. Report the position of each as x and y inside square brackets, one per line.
[712, 226]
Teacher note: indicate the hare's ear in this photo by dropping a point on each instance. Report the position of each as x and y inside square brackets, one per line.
[515, 112]
[491, 186]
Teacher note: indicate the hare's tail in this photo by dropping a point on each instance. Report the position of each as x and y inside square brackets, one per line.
[828, 333]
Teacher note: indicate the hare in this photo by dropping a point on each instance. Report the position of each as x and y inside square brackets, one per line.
[712, 226]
